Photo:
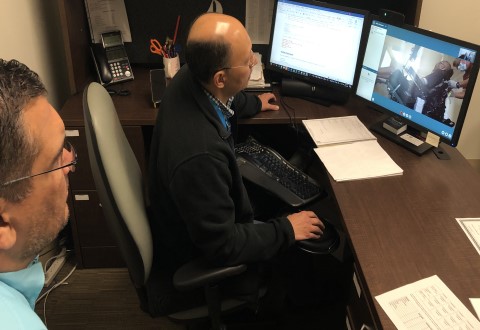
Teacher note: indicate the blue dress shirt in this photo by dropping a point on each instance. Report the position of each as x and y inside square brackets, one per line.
[18, 292]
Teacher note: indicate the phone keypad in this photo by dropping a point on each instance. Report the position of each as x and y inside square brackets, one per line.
[121, 70]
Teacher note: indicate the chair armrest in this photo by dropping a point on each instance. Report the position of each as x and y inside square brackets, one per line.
[198, 273]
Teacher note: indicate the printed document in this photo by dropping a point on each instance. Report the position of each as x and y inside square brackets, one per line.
[105, 16]
[427, 304]
[337, 130]
[349, 150]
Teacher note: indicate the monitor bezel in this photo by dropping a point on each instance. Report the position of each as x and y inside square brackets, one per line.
[312, 80]
[412, 124]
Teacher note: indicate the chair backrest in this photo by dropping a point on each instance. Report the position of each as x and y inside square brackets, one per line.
[119, 182]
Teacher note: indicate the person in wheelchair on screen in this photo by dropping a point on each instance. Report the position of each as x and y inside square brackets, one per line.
[427, 94]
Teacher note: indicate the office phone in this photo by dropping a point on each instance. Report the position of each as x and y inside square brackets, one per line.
[111, 60]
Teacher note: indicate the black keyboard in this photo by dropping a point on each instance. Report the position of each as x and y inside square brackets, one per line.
[268, 169]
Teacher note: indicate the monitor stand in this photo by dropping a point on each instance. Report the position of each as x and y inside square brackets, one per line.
[417, 149]
[318, 94]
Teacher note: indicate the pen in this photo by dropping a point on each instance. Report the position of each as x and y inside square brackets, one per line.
[176, 30]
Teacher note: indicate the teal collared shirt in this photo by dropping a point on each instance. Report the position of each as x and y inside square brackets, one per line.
[18, 292]
[224, 111]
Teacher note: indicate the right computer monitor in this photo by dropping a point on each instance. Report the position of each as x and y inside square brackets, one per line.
[422, 79]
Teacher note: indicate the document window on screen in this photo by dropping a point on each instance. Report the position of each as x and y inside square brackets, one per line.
[316, 41]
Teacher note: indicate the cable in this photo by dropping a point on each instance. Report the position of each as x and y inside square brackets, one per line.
[48, 251]
[292, 121]
[53, 258]
[46, 293]
[287, 106]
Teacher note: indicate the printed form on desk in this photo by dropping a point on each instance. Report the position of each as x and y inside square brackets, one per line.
[349, 150]
[426, 304]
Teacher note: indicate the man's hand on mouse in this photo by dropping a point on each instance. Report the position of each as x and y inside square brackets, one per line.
[306, 225]
[266, 98]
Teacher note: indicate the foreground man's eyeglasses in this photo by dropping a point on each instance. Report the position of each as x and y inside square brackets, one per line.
[69, 160]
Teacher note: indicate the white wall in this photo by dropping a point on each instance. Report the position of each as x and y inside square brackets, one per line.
[30, 32]
[459, 20]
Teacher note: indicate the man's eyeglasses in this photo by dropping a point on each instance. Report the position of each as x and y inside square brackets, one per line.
[251, 63]
[69, 160]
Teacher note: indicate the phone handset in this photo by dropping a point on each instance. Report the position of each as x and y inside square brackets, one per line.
[111, 60]
[101, 63]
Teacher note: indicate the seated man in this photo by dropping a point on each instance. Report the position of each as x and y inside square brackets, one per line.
[436, 89]
[34, 163]
[198, 198]
[432, 89]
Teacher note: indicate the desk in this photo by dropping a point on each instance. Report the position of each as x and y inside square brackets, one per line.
[400, 229]
[403, 229]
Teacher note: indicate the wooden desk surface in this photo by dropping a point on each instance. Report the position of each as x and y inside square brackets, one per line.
[402, 229]
[137, 108]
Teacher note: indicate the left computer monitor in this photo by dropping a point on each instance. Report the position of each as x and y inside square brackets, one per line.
[317, 44]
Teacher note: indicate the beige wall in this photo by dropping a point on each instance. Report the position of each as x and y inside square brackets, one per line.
[459, 20]
[29, 31]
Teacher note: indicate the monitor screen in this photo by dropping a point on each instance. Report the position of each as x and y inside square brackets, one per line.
[422, 78]
[316, 42]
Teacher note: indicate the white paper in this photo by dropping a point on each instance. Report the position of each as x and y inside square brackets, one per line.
[358, 160]
[427, 304]
[258, 20]
[413, 140]
[107, 15]
[257, 70]
[337, 130]
[257, 79]
[349, 150]
[476, 305]
[471, 227]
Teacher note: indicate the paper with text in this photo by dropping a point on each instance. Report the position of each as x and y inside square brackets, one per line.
[337, 130]
[427, 304]
[471, 227]
[105, 16]
[349, 150]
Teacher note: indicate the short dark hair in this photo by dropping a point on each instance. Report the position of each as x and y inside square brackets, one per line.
[18, 87]
[205, 58]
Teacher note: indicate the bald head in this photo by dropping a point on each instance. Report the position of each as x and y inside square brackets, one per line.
[213, 27]
[212, 42]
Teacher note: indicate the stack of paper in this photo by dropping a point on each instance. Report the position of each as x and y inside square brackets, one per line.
[257, 79]
[426, 304]
[349, 150]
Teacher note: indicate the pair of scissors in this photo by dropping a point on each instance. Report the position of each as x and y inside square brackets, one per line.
[156, 48]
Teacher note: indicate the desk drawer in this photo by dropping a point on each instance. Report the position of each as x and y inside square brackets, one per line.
[95, 242]
[358, 313]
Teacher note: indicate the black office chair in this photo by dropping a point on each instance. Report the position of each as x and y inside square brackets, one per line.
[119, 183]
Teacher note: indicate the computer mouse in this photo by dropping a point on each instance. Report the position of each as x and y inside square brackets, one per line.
[327, 243]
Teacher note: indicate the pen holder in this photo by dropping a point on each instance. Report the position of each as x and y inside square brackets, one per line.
[171, 66]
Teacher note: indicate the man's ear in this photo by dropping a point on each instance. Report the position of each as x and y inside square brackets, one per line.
[219, 79]
[8, 235]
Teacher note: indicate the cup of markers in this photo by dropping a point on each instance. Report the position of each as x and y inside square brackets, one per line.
[171, 60]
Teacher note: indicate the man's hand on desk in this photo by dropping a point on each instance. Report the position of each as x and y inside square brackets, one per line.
[266, 98]
[306, 225]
